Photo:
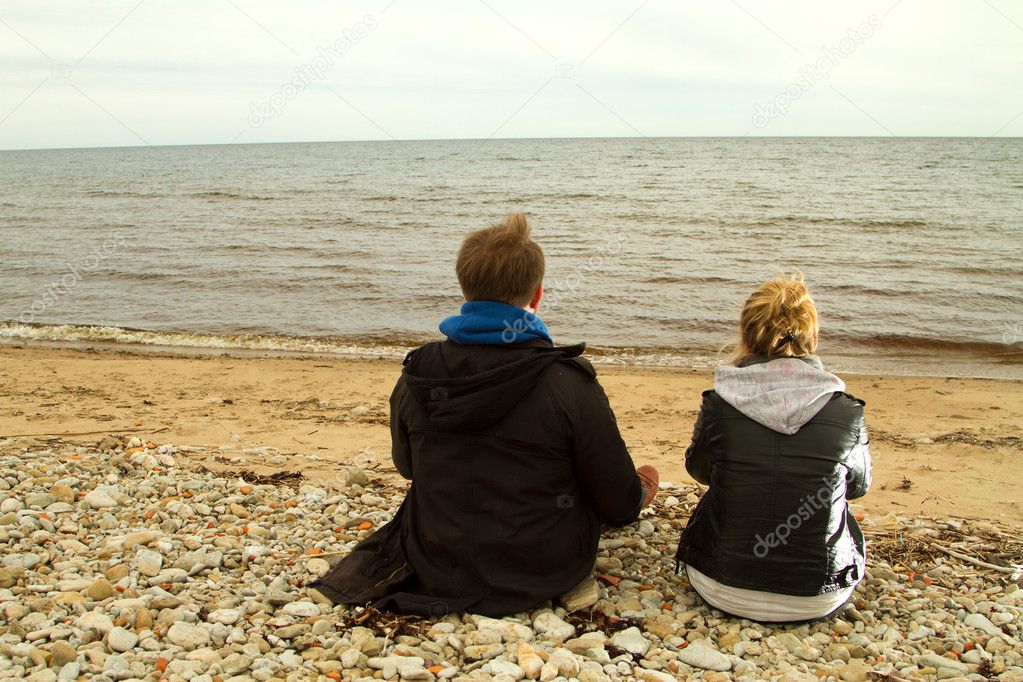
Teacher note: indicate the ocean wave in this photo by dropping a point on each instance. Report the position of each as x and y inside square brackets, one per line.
[102, 193]
[871, 223]
[871, 348]
[280, 343]
[217, 195]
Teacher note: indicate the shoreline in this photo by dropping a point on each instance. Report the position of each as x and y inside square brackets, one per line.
[1007, 366]
[941, 446]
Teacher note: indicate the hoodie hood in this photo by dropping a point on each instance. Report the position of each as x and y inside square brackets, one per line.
[477, 401]
[783, 394]
[492, 323]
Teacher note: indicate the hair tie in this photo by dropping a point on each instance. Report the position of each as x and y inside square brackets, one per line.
[788, 338]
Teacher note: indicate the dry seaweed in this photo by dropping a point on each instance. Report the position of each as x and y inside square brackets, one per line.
[968, 437]
[388, 625]
[592, 621]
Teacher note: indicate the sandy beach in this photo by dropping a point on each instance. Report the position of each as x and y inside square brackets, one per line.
[941, 446]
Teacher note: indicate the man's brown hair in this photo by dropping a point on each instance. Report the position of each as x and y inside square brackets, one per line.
[501, 263]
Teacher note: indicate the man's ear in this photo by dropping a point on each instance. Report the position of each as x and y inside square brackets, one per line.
[537, 296]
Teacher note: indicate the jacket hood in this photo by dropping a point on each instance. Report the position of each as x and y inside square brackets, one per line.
[479, 400]
[783, 394]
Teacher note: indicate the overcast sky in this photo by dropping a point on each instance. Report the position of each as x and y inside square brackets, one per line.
[90, 73]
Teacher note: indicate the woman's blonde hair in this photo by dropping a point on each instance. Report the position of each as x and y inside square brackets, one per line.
[778, 319]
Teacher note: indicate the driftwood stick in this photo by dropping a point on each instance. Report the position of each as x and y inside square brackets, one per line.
[971, 560]
[943, 499]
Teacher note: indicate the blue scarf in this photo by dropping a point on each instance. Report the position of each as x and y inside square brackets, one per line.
[491, 323]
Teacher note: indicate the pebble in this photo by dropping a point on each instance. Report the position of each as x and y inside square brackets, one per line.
[301, 609]
[62, 653]
[225, 616]
[100, 622]
[700, 656]
[582, 596]
[122, 640]
[188, 636]
[98, 499]
[983, 623]
[189, 577]
[548, 623]
[632, 640]
[100, 590]
[148, 562]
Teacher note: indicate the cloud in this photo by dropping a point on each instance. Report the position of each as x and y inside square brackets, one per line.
[120, 73]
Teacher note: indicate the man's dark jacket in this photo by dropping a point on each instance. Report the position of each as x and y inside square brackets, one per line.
[776, 517]
[515, 460]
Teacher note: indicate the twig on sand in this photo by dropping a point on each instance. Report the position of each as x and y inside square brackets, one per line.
[971, 560]
[943, 499]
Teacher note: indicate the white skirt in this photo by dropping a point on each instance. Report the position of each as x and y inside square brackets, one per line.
[766, 607]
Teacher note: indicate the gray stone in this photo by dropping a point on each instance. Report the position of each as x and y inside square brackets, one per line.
[700, 656]
[982, 623]
[121, 640]
[582, 596]
[188, 636]
[99, 499]
[632, 640]
[553, 628]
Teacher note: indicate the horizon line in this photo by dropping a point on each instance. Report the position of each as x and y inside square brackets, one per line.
[510, 139]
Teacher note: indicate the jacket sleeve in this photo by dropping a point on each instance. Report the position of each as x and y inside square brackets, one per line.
[858, 478]
[603, 466]
[401, 454]
[698, 455]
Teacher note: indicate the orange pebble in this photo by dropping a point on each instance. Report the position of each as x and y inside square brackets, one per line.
[291, 503]
[435, 669]
[245, 489]
[138, 422]
[970, 646]
[315, 551]
[365, 525]
[162, 663]
[334, 675]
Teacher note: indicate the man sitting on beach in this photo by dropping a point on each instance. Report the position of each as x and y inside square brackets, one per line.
[513, 452]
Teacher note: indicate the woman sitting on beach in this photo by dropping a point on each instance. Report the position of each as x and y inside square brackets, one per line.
[782, 448]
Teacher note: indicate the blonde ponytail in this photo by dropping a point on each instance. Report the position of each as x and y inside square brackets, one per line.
[778, 320]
